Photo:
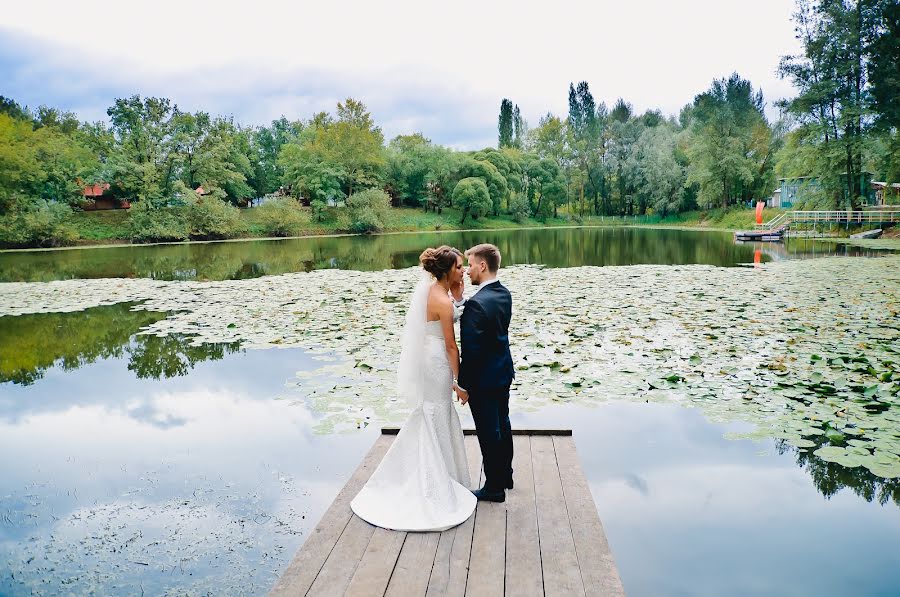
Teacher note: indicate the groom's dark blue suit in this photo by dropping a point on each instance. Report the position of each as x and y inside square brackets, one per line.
[486, 372]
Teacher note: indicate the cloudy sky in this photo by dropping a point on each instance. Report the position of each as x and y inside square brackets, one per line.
[440, 68]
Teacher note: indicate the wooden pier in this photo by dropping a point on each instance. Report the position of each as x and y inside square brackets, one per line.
[546, 539]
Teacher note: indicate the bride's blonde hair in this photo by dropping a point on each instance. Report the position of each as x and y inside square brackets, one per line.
[439, 261]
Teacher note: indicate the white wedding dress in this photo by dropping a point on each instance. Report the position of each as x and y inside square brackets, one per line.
[422, 481]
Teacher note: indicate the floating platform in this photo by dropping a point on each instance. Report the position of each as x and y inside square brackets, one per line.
[868, 234]
[774, 235]
[546, 539]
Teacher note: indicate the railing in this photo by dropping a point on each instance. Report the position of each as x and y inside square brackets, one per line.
[873, 216]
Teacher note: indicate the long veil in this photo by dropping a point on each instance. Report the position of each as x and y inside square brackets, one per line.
[411, 370]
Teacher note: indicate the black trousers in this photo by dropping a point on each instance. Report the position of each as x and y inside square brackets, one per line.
[490, 410]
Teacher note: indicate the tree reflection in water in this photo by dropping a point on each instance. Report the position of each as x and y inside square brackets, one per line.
[32, 344]
[830, 477]
[553, 247]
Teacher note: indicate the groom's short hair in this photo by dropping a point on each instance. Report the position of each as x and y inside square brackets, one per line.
[488, 253]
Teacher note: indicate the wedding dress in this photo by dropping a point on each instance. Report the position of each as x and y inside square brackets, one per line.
[422, 482]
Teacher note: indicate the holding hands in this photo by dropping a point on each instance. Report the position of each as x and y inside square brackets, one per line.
[461, 394]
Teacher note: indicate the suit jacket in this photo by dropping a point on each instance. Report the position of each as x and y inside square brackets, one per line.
[486, 363]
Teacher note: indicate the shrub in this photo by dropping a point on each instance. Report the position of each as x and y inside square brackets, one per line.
[282, 217]
[148, 223]
[368, 210]
[211, 218]
[39, 223]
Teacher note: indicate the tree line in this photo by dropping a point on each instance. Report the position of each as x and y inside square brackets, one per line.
[721, 150]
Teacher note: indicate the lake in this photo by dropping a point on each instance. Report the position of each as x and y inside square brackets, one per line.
[176, 418]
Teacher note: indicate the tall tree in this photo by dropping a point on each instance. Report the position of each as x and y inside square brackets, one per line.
[519, 131]
[505, 124]
[833, 104]
[730, 142]
[585, 128]
[139, 166]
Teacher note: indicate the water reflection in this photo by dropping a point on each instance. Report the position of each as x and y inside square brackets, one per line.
[117, 485]
[688, 512]
[830, 477]
[34, 343]
[188, 484]
[555, 247]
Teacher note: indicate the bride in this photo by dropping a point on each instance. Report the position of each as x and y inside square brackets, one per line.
[422, 481]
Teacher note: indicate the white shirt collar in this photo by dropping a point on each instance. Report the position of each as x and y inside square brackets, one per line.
[485, 283]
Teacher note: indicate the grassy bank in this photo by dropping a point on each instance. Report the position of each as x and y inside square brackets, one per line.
[113, 226]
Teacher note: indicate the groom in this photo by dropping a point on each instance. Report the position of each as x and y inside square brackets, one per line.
[486, 370]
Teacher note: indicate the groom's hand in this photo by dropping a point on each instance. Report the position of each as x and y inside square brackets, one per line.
[461, 394]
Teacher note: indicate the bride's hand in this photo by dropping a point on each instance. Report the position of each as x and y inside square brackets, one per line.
[456, 290]
[461, 394]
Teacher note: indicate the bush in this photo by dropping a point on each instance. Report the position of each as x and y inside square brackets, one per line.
[368, 210]
[148, 223]
[518, 206]
[471, 196]
[40, 223]
[211, 218]
[281, 217]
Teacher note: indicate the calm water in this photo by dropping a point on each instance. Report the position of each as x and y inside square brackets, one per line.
[554, 247]
[141, 464]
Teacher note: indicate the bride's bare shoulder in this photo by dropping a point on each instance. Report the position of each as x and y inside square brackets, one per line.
[438, 297]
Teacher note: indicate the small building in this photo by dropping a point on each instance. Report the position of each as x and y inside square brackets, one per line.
[886, 194]
[796, 189]
[96, 197]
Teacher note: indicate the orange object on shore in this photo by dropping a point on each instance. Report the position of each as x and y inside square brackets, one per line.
[759, 209]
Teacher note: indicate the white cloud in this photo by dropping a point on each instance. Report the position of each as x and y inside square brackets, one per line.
[441, 68]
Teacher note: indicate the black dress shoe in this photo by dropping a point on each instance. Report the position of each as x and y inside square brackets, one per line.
[490, 496]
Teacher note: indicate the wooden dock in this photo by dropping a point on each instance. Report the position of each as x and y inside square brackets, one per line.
[546, 539]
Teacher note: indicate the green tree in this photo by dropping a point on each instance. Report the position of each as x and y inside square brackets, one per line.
[412, 163]
[310, 176]
[471, 196]
[545, 186]
[351, 144]
[470, 166]
[520, 128]
[586, 125]
[833, 103]
[550, 141]
[11, 108]
[659, 178]
[140, 168]
[505, 124]
[265, 145]
[730, 143]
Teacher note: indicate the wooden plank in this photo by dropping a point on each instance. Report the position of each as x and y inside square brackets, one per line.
[523, 551]
[598, 567]
[396, 430]
[339, 568]
[413, 569]
[377, 564]
[440, 569]
[303, 569]
[488, 552]
[558, 558]
[451, 568]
